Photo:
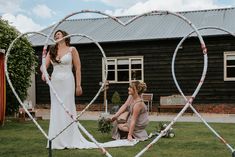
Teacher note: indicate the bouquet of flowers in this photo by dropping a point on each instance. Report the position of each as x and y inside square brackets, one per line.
[169, 134]
[104, 125]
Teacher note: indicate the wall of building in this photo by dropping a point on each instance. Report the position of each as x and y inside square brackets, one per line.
[157, 69]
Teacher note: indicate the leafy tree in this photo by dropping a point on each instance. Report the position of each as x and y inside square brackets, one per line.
[21, 63]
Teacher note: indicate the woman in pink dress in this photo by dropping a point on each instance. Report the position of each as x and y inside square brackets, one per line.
[137, 121]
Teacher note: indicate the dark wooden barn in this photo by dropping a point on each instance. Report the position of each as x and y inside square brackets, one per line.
[144, 50]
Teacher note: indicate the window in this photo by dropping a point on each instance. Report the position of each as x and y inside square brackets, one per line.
[124, 69]
[229, 66]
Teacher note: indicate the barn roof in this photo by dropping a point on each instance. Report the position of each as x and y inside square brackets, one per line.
[153, 26]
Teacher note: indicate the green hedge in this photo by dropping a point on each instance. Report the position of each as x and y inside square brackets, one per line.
[21, 63]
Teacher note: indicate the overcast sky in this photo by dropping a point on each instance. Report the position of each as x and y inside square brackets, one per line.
[34, 15]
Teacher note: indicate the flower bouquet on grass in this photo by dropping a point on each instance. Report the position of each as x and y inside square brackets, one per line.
[104, 124]
[168, 134]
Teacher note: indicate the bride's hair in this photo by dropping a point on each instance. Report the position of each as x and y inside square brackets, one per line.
[53, 54]
[140, 87]
[54, 48]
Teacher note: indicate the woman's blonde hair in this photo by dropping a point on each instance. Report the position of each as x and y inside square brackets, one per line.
[140, 87]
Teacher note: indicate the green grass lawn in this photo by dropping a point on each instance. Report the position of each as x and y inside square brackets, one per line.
[191, 140]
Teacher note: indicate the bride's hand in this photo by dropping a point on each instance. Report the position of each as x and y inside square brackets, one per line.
[78, 91]
[44, 77]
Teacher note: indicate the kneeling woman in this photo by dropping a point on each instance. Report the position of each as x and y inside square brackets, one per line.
[137, 121]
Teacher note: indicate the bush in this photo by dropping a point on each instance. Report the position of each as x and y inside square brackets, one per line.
[116, 100]
[21, 63]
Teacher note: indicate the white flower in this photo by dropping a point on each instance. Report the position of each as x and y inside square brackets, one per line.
[171, 134]
[150, 135]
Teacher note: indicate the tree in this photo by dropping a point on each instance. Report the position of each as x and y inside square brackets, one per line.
[22, 62]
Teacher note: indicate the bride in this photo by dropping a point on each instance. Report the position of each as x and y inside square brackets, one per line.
[64, 58]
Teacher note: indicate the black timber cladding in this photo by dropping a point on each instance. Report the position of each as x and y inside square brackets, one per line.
[157, 69]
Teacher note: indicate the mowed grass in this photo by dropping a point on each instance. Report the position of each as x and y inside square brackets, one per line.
[191, 140]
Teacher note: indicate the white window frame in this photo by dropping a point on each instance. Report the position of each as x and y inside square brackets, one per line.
[129, 58]
[226, 54]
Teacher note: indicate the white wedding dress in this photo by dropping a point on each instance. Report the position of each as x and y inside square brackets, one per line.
[63, 82]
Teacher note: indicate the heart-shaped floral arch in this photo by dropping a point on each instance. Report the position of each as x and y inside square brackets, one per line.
[75, 119]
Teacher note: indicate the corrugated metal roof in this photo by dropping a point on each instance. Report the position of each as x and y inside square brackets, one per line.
[155, 26]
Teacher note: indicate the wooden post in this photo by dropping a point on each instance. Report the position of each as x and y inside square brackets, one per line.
[105, 98]
[106, 86]
[2, 88]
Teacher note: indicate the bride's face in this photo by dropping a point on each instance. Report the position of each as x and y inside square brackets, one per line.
[58, 36]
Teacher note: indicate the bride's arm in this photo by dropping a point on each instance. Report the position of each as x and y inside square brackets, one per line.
[48, 62]
[77, 67]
